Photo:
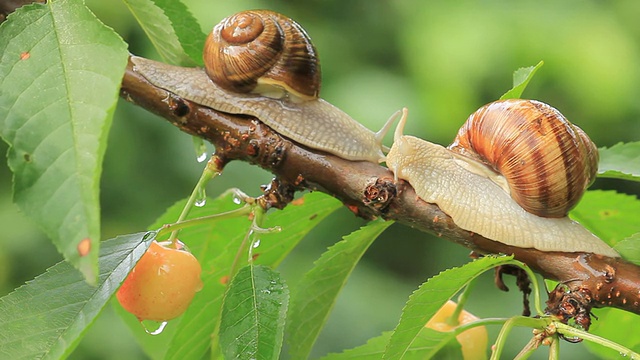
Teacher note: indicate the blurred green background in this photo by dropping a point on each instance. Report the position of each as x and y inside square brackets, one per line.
[441, 59]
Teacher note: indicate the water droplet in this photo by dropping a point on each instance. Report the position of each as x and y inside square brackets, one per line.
[159, 328]
[200, 148]
[237, 200]
[201, 198]
[202, 157]
[256, 243]
[266, 291]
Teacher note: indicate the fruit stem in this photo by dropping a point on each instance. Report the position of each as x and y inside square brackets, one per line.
[256, 210]
[570, 331]
[480, 322]
[528, 349]
[453, 319]
[211, 170]
[554, 349]
[175, 227]
[536, 323]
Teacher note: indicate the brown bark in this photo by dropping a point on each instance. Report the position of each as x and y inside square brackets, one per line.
[369, 191]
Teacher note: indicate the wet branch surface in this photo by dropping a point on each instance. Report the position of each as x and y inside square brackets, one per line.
[368, 190]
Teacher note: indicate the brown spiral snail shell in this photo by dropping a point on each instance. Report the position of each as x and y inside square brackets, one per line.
[263, 64]
[262, 52]
[547, 162]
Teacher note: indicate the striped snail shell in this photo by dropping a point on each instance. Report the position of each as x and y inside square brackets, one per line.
[263, 52]
[547, 162]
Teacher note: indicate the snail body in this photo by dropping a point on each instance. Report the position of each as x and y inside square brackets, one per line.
[282, 92]
[478, 198]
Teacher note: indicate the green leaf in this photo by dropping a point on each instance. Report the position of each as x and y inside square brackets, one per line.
[317, 292]
[372, 350]
[521, 78]
[610, 215]
[615, 325]
[629, 248]
[426, 346]
[253, 314]
[60, 73]
[430, 297]
[215, 246]
[172, 29]
[46, 318]
[621, 161]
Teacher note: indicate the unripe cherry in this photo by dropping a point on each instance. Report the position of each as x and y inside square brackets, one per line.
[473, 341]
[162, 284]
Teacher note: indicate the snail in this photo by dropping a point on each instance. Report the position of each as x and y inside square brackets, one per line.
[263, 64]
[478, 195]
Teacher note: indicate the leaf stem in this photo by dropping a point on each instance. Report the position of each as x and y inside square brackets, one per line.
[534, 282]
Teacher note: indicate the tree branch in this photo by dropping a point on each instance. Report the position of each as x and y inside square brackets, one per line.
[369, 191]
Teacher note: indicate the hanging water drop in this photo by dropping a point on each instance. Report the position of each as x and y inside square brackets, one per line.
[201, 199]
[159, 329]
[256, 243]
[237, 200]
[202, 157]
[200, 148]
